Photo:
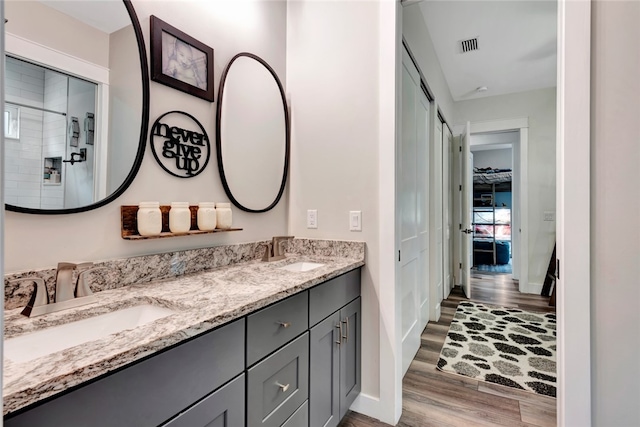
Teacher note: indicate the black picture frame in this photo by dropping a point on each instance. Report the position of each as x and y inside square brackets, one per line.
[180, 61]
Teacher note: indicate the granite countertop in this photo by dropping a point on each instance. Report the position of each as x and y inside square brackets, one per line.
[201, 302]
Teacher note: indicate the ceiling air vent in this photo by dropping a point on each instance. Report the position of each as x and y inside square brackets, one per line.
[469, 45]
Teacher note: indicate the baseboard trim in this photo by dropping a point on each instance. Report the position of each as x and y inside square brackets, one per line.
[367, 405]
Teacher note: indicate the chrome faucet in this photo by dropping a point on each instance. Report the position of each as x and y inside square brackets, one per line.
[274, 251]
[68, 294]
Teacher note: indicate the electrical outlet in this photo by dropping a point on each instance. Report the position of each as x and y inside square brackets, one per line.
[549, 216]
[355, 221]
[312, 218]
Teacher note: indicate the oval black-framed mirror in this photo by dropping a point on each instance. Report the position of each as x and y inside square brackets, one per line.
[87, 125]
[252, 134]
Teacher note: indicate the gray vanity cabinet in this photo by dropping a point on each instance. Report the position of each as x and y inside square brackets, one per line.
[149, 392]
[268, 369]
[335, 349]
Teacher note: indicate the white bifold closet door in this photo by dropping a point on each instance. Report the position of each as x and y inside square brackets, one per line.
[413, 210]
[447, 211]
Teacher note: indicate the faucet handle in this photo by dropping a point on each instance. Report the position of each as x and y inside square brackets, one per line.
[268, 252]
[39, 296]
[82, 286]
[278, 245]
[85, 265]
[64, 281]
[65, 266]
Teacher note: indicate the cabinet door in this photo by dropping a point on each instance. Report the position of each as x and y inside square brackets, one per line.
[222, 408]
[324, 395]
[350, 355]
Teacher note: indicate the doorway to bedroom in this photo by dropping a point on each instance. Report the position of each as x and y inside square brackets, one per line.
[493, 207]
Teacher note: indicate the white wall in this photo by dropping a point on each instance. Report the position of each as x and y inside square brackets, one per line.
[540, 107]
[41, 24]
[615, 209]
[228, 27]
[417, 36]
[125, 98]
[332, 65]
[496, 159]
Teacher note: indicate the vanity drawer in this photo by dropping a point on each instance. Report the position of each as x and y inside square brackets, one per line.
[278, 385]
[300, 418]
[149, 392]
[274, 326]
[330, 296]
[222, 408]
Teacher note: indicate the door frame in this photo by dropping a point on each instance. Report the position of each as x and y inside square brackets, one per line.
[573, 176]
[573, 204]
[522, 125]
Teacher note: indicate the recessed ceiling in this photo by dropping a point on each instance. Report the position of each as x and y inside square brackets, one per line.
[105, 15]
[516, 44]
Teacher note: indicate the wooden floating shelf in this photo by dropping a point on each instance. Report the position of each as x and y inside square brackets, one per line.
[129, 223]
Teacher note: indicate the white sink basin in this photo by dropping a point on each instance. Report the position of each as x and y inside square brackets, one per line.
[301, 266]
[57, 338]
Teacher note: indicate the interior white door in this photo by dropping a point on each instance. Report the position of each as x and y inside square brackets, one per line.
[423, 108]
[447, 210]
[412, 211]
[467, 206]
[435, 220]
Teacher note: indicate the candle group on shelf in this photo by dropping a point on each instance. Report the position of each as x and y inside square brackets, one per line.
[210, 216]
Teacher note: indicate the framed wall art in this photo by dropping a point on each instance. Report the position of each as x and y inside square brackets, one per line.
[180, 61]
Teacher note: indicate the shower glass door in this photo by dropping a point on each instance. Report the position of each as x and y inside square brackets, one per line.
[49, 137]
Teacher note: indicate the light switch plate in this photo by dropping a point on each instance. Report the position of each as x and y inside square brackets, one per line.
[549, 216]
[312, 218]
[355, 221]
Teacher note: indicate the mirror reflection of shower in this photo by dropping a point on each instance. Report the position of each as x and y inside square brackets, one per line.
[49, 137]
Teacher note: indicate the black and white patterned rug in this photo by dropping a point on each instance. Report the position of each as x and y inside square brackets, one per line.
[506, 346]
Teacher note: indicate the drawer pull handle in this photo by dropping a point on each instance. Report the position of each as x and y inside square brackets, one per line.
[285, 324]
[283, 387]
[346, 322]
[339, 325]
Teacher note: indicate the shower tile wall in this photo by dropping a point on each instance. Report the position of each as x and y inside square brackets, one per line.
[23, 177]
[54, 138]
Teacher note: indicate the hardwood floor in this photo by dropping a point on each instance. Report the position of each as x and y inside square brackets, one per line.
[434, 398]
